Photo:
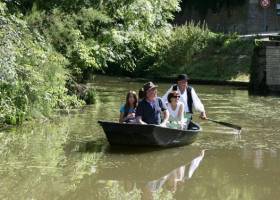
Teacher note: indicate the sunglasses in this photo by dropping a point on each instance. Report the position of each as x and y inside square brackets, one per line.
[152, 90]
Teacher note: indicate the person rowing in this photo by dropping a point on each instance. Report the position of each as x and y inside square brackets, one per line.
[150, 108]
[188, 97]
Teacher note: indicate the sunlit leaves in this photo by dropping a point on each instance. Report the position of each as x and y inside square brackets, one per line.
[32, 74]
[122, 33]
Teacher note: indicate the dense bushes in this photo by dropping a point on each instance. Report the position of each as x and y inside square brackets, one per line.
[184, 43]
[32, 74]
[204, 55]
[134, 38]
[45, 45]
[112, 36]
[226, 57]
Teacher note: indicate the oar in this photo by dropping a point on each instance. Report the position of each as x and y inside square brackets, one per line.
[226, 124]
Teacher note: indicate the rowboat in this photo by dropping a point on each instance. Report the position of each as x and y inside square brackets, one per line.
[148, 135]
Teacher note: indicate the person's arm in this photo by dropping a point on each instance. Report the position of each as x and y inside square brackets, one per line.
[139, 114]
[181, 113]
[165, 118]
[198, 105]
[122, 118]
[139, 120]
[165, 112]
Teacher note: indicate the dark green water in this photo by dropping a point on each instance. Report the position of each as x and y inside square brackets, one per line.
[69, 157]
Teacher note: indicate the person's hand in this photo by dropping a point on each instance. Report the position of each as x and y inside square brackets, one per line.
[182, 125]
[163, 124]
[131, 115]
[203, 116]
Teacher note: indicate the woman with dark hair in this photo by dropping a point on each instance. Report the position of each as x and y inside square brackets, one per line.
[127, 111]
[176, 109]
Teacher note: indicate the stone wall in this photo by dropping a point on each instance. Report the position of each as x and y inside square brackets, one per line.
[244, 19]
[260, 19]
[265, 68]
[273, 67]
[257, 71]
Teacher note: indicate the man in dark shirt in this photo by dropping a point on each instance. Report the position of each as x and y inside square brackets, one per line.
[150, 108]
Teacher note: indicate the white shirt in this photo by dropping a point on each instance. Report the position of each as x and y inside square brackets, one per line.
[174, 114]
[198, 106]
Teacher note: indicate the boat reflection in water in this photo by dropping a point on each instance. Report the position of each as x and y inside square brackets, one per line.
[147, 187]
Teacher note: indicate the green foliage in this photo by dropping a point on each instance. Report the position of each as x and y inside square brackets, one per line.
[90, 96]
[46, 43]
[81, 35]
[225, 58]
[104, 35]
[185, 42]
[32, 74]
[193, 49]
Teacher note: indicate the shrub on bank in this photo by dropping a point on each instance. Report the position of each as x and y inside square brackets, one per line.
[204, 55]
[32, 74]
[177, 54]
[225, 58]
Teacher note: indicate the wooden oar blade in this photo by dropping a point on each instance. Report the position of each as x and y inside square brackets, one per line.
[227, 124]
[230, 125]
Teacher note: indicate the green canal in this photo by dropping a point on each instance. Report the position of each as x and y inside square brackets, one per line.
[68, 157]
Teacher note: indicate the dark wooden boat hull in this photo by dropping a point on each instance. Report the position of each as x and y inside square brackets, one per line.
[148, 135]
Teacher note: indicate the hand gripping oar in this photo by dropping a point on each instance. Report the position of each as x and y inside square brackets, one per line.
[226, 124]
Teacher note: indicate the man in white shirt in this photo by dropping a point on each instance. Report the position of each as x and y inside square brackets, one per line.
[188, 96]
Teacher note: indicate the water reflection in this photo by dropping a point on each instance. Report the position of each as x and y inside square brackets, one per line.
[165, 186]
[259, 158]
[258, 161]
[40, 159]
[176, 176]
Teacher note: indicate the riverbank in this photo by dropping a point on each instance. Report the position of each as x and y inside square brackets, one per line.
[170, 80]
[244, 84]
[240, 81]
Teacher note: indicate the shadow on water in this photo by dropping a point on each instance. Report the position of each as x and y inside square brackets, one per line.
[101, 145]
[84, 146]
[131, 149]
